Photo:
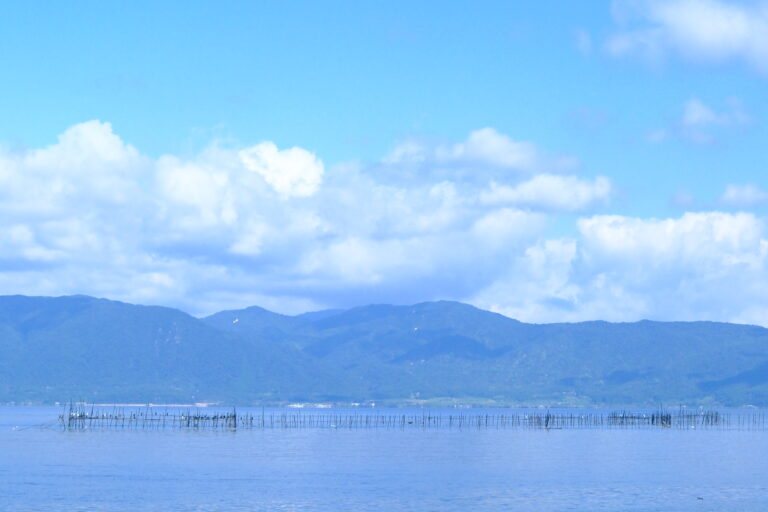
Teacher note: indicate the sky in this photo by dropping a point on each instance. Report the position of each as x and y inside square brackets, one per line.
[550, 161]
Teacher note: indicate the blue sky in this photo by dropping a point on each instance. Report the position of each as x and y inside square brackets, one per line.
[551, 161]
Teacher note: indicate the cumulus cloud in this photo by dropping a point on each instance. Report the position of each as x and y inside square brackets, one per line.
[204, 191]
[700, 265]
[72, 200]
[482, 147]
[551, 192]
[485, 156]
[698, 30]
[229, 226]
[491, 147]
[708, 265]
[88, 163]
[694, 238]
[90, 214]
[293, 172]
[87, 147]
[538, 285]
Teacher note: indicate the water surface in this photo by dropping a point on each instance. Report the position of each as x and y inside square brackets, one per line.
[47, 468]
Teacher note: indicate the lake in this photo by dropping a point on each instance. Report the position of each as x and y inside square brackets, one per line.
[46, 468]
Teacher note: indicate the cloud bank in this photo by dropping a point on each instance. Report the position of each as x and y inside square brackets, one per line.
[474, 220]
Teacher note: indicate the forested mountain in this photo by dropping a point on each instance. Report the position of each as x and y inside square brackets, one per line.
[84, 348]
[73, 348]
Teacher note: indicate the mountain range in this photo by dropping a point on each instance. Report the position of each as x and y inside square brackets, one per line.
[98, 350]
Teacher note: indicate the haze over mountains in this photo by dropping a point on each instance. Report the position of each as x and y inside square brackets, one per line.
[83, 348]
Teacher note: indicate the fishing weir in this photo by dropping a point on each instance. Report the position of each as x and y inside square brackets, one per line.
[85, 417]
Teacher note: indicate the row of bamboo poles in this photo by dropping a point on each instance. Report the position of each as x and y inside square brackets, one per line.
[79, 417]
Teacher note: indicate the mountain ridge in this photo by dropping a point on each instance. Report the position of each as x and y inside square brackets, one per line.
[80, 347]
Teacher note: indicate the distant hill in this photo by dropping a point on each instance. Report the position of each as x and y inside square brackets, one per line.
[81, 348]
[436, 352]
[449, 349]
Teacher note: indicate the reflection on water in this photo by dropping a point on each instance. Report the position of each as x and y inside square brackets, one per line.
[47, 468]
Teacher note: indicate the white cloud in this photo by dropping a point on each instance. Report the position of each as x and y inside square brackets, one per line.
[744, 195]
[699, 30]
[210, 232]
[709, 265]
[251, 238]
[490, 147]
[85, 147]
[418, 267]
[471, 166]
[719, 238]
[499, 227]
[19, 243]
[485, 147]
[89, 165]
[293, 172]
[551, 192]
[200, 194]
[537, 286]
[90, 214]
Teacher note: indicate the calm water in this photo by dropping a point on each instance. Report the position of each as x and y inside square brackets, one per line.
[47, 469]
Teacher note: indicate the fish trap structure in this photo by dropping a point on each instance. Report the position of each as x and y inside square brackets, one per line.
[84, 417]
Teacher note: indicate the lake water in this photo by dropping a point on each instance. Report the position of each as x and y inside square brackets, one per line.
[654, 469]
